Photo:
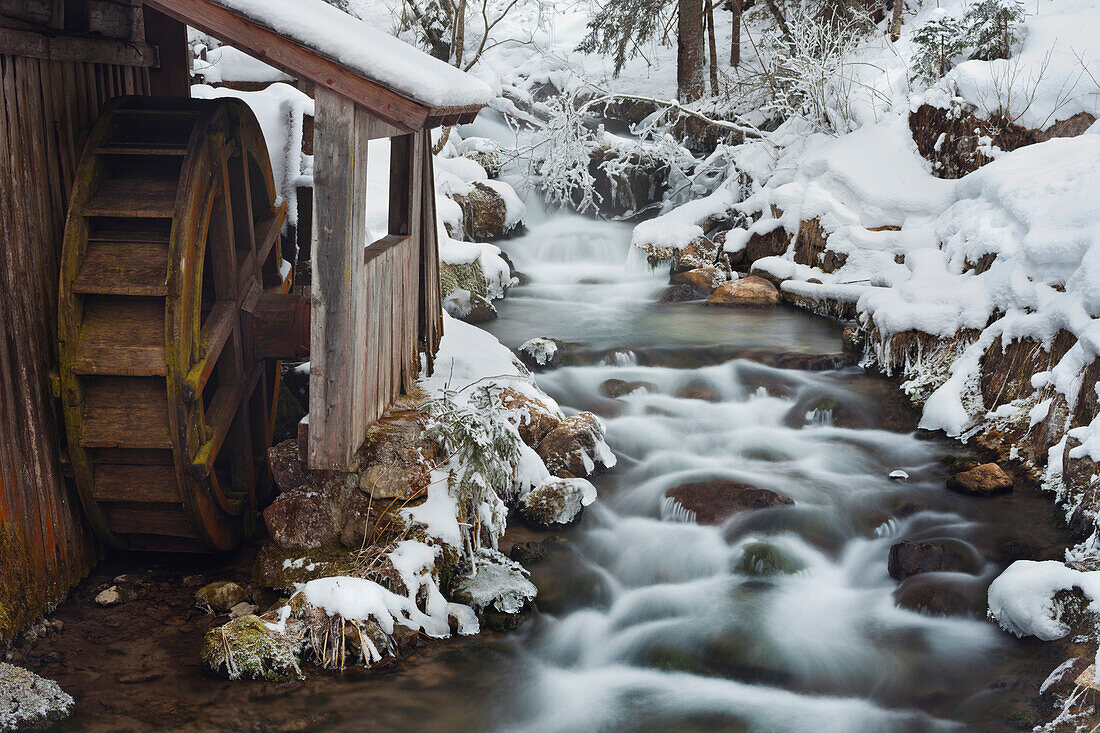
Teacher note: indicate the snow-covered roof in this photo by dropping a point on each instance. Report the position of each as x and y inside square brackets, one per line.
[365, 50]
[315, 40]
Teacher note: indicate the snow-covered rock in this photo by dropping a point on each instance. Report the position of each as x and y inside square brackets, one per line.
[541, 353]
[29, 702]
[576, 447]
[557, 502]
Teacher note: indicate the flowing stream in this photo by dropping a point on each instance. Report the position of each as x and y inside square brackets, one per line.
[780, 619]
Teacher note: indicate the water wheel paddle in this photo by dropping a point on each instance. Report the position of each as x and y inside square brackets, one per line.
[172, 244]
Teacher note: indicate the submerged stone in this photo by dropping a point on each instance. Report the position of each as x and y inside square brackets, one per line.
[220, 596]
[912, 558]
[714, 500]
[763, 558]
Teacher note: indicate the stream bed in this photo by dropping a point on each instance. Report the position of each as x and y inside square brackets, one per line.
[780, 619]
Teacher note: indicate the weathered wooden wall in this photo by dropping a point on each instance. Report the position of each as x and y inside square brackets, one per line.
[374, 308]
[46, 106]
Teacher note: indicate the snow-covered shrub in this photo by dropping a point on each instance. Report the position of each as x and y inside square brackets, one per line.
[992, 27]
[938, 43]
[813, 69]
[482, 450]
[562, 150]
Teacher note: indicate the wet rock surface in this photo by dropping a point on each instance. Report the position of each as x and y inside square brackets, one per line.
[220, 596]
[752, 291]
[988, 479]
[715, 500]
[908, 558]
[575, 447]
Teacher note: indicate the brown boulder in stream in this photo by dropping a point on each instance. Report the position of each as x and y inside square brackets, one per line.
[575, 448]
[532, 419]
[715, 500]
[753, 291]
[987, 479]
[913, 558]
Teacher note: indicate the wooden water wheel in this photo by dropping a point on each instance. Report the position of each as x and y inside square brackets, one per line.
[167, 362]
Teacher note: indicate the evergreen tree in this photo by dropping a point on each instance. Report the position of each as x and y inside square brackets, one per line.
[622, 27]
[938, 42]
[991, 27]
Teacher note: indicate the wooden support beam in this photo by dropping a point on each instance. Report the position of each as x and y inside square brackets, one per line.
[77, 48]
[173, 77]
[280, 326]
[337, 351]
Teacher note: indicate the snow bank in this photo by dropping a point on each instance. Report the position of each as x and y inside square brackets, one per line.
[365, 50]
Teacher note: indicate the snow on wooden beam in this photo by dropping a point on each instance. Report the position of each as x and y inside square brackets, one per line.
[300, 61]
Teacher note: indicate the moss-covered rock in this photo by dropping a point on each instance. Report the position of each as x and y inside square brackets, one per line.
[764, 558]
[463, 276]
[220, 596]
[250, 648]
[556, 502]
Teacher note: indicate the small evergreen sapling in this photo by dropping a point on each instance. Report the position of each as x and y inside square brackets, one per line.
[938, 43]
[992, 27]
[482, 450]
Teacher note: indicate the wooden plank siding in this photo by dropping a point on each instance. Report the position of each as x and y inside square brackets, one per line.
[46, 107]
[368, 303]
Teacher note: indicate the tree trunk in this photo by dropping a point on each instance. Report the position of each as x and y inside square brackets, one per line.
[778, 15]
[895, 20]
[713, 48]
[735, 35]
[690, 84]
[459, 45]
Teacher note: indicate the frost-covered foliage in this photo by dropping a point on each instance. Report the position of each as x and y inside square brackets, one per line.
[992, 28]
[482, 450]
[812, 67]
[938, 43]
[495, 582]
[564, 147]
[30, 702]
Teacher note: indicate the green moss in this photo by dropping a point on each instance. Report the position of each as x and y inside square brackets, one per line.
[467, 276]
[21, 597]
[248, 648]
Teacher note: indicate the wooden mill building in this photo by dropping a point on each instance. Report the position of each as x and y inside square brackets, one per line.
[144, 301]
